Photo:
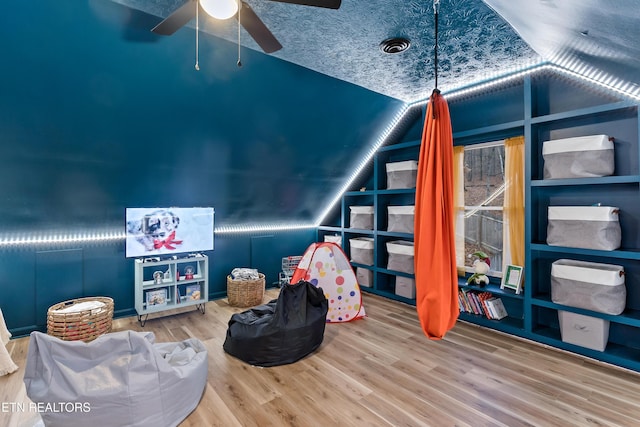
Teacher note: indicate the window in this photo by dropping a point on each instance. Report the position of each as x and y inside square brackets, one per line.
[483, 195]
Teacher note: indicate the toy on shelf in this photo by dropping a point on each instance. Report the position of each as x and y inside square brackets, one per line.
[481, 267]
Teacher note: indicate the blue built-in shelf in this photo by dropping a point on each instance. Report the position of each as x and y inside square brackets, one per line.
[399, 236]
[383, 279]
[633, 254]
[491, 287]
[399, 146]
[489, 130]
[616, 119]
[580, 113]
[605, 180]
[359, 193]
[538, 113]
[628, 317]
[510, 325]
[411, 191]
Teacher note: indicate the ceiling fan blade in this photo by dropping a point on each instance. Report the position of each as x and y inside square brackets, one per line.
[329, 4]
[179, 18]
[257, 30]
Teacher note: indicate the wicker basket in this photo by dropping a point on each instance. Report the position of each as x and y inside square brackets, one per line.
[86, 324]
[245, 293]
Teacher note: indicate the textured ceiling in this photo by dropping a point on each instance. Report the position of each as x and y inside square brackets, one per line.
[477, 39]
[474, 42]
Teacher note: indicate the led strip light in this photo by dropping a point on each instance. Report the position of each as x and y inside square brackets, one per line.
[258, 228]
[15, 240]
[616, 85]
[374, 148]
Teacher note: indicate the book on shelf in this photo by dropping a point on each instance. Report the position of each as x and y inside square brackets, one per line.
[193, 292]
[156, 297]
[497, 308]
[481, 303]
[483, 297]
[465, 307]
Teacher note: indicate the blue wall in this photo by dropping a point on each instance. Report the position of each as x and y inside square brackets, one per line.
[96, 115]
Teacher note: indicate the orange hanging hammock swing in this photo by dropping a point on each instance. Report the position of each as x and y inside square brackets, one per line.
[434, 239]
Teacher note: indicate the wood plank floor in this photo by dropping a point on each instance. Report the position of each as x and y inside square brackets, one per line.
[383, 371]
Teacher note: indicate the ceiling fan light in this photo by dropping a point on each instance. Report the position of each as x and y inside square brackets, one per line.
[220, 9]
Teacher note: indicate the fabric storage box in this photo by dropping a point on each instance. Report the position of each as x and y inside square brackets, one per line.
[400, 256]
[402, 174]
[362, 250]
[337, 239]
[400, 219]
[588, 285]
[585, 331]
[361, 217]
[580, 157]
[588, 227]
[406, 287]
[364, 277]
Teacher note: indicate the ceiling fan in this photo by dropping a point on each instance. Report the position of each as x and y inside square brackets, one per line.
[245, 15]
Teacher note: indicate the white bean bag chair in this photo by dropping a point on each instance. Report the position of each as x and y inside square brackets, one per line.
[119, 379]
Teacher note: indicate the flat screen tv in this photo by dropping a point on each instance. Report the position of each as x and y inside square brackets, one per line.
[168, 231]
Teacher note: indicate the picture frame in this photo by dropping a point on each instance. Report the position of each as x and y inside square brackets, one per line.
[156, 297]
[192, 292]
[512, 278]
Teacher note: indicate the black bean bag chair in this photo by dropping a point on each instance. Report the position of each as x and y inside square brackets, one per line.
[282, 331]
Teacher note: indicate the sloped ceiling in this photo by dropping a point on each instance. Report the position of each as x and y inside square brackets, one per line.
[598, 39]
[477, 39]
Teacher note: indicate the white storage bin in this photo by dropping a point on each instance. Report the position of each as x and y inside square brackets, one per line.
[585, 331]
[406, 287]
[580, 157]
[589, 227]
[400, 219]
[588, 285]
[400, 256]
[362, 250]
[402, 174]
[337, 239]
[361, 217]
[364, 277]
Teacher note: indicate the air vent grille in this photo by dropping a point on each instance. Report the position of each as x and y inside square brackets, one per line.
[395, 45]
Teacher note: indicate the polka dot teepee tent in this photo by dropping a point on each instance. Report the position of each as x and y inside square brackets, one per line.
[326, 266]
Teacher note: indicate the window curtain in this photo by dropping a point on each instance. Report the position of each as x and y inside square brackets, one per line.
[513, 213]
[458, 206]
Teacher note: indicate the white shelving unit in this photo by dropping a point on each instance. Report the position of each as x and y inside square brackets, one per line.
[162, 285]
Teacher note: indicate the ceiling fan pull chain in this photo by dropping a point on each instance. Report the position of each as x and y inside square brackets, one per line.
[197, 31]
[239, 23]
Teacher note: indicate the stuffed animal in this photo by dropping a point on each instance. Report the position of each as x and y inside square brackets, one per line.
[481, 267]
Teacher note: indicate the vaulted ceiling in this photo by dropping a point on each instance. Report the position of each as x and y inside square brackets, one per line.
[477, 39]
